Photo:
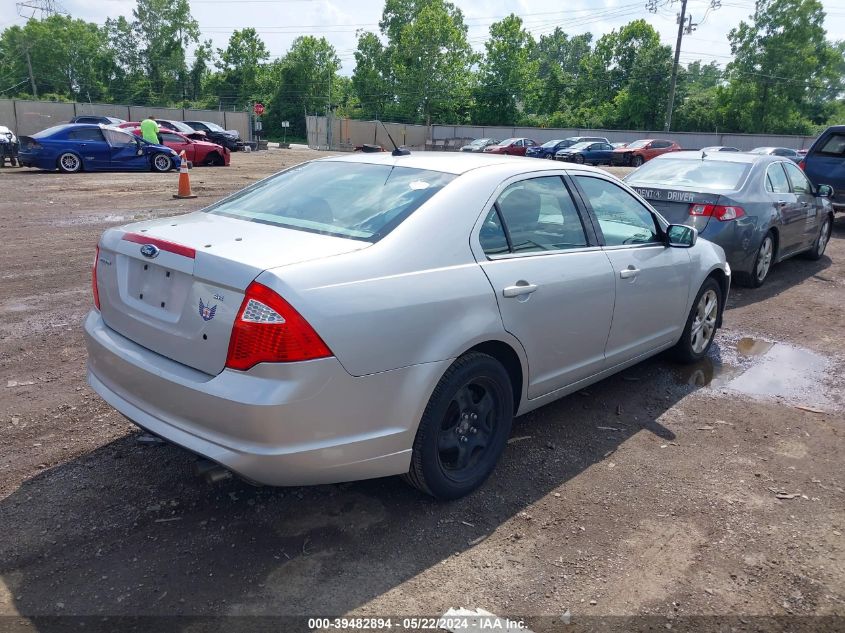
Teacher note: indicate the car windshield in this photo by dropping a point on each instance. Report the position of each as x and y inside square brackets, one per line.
[213, 126]
[49, 131]
[182, 127]
[479, 141]
[760, 150]
[581, 145]
[551, 143]
[637, 144]
[508, 141]
[709, 174]
[354, 200]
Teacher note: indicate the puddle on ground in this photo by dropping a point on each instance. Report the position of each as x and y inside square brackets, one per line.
[763, 368]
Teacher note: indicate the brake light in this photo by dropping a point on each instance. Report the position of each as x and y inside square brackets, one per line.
[802, 163]
[269, 330]
[94, 279]
[718, 211]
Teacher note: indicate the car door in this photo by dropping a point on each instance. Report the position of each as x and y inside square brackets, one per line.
[91, 145]
[553, 283]
[178, 144]
[810, 205]
[602, 152]
[652, 280]
[789, 210]
[126, 151]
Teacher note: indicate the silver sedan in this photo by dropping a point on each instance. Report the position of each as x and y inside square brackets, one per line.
[372, 315]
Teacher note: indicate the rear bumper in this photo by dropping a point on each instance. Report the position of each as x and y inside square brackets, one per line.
[277, 424]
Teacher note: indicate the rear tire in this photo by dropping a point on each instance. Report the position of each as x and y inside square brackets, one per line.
[700, 328]
[762, 263]
[464, 429]
[579, 159]
[822, 240]
[69, 163]
[637, 161]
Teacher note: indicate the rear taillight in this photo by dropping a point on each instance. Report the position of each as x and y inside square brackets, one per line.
[802, 163]
[94, 279]
[268, 330]
[718, 211]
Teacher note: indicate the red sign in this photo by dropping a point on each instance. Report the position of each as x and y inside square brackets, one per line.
[258, 109]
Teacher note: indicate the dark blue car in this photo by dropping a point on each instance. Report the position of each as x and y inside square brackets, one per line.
[83, 147]
[824, 163]
[548, 149]
[590, 153]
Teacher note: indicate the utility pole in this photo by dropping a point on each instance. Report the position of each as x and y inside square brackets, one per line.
[31, 76]
[682, 26]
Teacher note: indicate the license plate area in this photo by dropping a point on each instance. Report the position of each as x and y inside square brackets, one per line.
[156, 289]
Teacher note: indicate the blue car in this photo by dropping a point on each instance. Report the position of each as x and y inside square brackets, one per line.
[83, 147]
[824, 163]
[547, 150]
[590, 153]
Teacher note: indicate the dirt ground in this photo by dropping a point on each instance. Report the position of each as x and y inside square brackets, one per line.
[653, 494]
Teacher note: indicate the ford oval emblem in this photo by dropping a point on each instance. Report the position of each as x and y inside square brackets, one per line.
[149, 250]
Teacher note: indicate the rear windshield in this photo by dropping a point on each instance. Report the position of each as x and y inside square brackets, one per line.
[551, 143]
[834, 145]
[354, 200]
[710, 174]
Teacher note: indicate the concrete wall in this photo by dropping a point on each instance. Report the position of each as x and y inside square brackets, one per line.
[347, 133]
[691, 140]
[29, 117]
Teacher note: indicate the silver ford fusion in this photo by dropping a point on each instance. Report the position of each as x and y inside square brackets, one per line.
[373, 315]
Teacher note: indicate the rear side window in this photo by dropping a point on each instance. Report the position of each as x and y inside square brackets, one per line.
[533, 215]
[623, 220]
[354, 200]
[86, 134]
[835, 145]
[776, 181]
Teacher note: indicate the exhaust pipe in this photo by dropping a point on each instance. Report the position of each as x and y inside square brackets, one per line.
[211, 471]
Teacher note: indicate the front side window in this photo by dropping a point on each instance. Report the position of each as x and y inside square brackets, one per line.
[537, 215]
[166, 137]
[776, 181]
[622, 219]
[355, 200]
[800, 184]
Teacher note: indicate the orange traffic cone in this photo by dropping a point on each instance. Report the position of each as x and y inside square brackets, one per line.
[184, 178]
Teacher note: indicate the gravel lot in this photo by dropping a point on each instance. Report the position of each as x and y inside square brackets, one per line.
[649, 494]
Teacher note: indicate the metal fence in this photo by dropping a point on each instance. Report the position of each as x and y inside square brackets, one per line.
[29, 117]
[346, 133]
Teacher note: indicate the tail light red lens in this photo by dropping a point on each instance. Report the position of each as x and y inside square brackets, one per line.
[94, 289]
[802, 163]
[269, 330]
[718, 211]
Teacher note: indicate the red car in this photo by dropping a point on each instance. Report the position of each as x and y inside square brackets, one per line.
[639, 152]
[512, 146]
[197, 152]
[166, 125]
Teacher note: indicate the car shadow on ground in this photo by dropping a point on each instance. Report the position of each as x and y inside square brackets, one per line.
[783, 276]
[127, 530]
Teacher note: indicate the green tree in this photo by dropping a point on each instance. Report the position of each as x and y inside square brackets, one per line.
[165, 28]
[508, 74]
[371, 79]
[306, 77]
[559, 60]
[783, 68]
[239, 64]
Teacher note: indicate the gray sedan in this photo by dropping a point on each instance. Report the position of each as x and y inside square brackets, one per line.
[761, 209]
[372, 315]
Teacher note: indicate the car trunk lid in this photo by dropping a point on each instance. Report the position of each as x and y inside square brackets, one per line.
[675, 204]
[175, 285]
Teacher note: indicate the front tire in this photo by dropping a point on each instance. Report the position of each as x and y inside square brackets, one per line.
[700, 328]
[579, 159]
[822, 240]
[464, 429]
[162, 163]
[637, 161]
[69, 163]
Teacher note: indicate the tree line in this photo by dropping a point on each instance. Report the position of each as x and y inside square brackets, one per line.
[785, 75]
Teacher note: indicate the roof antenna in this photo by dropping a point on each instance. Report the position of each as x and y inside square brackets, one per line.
[397, 151]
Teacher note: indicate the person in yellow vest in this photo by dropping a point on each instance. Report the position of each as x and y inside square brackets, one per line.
[149, 130]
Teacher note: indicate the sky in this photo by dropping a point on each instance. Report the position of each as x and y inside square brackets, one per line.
[279, 22]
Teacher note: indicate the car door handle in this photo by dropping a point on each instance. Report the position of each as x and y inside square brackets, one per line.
[519, 290]
[629, 273]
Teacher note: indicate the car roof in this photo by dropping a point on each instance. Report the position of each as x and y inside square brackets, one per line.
[455, 162]
[731, 157]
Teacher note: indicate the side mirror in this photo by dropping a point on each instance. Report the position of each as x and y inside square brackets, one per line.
[824, 191]
[681, 236]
